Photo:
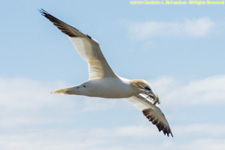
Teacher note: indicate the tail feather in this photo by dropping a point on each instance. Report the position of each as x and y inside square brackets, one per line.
[61, 91]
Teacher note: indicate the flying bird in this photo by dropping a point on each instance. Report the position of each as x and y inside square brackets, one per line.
[103, 82]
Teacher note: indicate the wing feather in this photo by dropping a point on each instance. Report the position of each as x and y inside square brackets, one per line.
[87, 48]
[152, 112]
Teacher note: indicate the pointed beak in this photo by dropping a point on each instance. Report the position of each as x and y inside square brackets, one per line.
[154, 97]
[151, 94]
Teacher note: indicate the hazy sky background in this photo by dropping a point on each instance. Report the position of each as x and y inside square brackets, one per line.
[179, 49]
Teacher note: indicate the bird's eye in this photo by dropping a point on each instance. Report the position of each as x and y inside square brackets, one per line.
[84, 86]
[147, 88]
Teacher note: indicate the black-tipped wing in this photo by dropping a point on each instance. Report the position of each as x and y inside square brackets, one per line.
[158, 120]
[152, 112]
[64, 27]
[87, 48]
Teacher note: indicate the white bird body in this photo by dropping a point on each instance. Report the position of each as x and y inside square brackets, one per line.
[103, 82]
[104, 87]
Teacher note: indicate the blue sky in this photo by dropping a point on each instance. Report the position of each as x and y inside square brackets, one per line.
[179, 49]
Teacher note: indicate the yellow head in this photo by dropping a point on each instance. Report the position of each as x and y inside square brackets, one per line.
[142, 86]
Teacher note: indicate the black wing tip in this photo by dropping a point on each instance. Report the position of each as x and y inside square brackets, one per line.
[57, 23]
[43, 12]
[168, 133]
[46, 14]
[166, 130]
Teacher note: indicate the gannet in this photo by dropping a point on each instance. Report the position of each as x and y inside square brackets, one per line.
[103, 82]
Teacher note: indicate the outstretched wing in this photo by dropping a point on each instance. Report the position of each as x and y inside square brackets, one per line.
[87, 48]
[152, 112]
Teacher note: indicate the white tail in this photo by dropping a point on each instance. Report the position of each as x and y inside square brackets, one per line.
[62, 91]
